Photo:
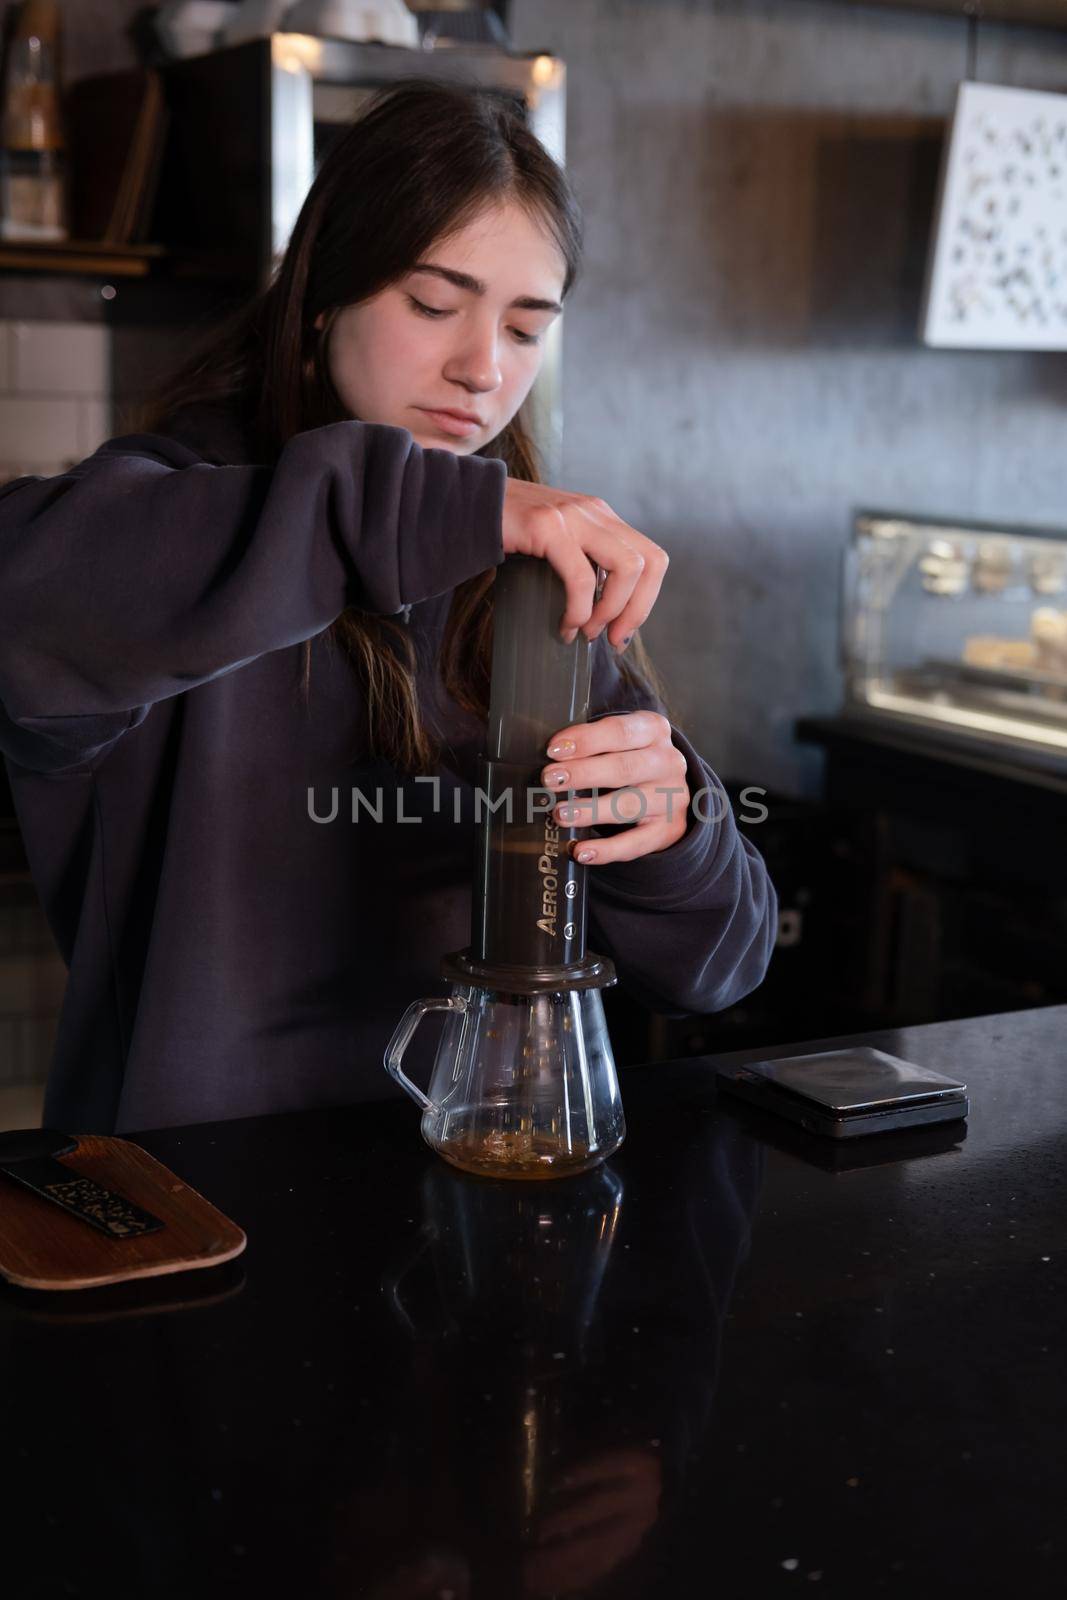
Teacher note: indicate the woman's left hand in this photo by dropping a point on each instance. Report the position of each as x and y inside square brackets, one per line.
[641, 778]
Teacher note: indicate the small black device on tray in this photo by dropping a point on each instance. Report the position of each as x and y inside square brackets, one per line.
[846, 1093]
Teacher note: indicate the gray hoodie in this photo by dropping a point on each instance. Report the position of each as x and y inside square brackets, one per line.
[237, 943]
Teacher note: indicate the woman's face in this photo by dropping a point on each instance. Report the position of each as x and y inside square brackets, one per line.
[461, 333]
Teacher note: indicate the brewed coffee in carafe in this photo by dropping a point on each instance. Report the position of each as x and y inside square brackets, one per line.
[524, 1082]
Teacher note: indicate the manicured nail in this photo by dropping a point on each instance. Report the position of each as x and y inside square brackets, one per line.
[586, 855]
[562, 747]
[569, 635]
[558, 778]
[567, 813]
[619, 648]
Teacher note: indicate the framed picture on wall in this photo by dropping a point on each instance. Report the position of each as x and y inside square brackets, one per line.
[997, 269]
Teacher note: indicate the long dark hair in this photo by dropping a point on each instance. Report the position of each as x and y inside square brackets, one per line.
[418, 163]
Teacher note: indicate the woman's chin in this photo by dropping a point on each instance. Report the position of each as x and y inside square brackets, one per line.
[441, 441]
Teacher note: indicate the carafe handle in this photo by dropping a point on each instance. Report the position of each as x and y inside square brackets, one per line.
[402, 1038]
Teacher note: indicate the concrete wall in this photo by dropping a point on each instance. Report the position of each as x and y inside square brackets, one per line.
[742, 367]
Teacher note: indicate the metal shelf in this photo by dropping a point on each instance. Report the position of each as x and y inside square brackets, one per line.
[83, 256]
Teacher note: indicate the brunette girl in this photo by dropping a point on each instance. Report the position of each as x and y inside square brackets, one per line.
[221, 636]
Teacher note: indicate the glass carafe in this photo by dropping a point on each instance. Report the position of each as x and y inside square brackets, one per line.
[523, 1085]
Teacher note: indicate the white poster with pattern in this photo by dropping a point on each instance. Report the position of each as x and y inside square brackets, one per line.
[997, 274]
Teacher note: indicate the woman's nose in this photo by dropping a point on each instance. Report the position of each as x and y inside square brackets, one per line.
[476, 362]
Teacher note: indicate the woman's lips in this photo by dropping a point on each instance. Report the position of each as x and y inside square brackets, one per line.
[449, 423]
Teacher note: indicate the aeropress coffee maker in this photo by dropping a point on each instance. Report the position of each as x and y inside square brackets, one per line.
[524, 1082]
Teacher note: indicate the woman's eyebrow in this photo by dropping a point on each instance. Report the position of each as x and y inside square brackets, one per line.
[463, 280]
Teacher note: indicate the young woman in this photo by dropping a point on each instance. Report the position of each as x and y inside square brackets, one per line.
[215, 632]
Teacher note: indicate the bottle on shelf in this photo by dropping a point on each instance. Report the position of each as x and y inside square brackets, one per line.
[33, 198]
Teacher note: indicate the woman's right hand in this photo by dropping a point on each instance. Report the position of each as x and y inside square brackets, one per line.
[576, 533]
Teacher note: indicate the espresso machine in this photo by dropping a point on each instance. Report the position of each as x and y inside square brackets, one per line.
[524, 1082]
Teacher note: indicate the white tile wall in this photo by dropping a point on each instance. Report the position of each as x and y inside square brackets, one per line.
[55, 409]
[38, 430]
[55, 395]
[94, 424]
[59, 357]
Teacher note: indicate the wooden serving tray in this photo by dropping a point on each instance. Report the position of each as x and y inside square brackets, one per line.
[43, 1247]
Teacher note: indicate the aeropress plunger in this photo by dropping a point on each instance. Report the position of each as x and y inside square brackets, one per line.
[524, 1082]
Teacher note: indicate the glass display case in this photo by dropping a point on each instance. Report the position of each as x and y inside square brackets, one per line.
[959, 626]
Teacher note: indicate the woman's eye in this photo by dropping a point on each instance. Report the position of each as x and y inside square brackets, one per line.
[440, 311]
[428, 311]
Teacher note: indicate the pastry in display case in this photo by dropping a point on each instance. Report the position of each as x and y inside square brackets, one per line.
[959, 626]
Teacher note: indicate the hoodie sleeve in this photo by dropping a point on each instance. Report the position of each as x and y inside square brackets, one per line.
[146, 570]
[690, 928]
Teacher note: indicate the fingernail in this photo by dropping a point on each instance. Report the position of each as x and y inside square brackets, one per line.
[569, 635]
[567, 813]
[586, 855]
[619, 648]
[558, 778]
[562, 747]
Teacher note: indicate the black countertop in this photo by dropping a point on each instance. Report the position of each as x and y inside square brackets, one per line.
[717, 1366]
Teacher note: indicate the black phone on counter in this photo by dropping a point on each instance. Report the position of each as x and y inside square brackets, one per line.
[844, 1094]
